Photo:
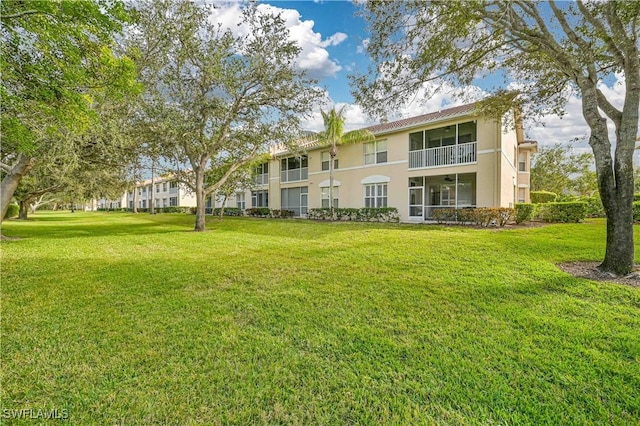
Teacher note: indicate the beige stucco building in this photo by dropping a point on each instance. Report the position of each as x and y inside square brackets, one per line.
[449, 158]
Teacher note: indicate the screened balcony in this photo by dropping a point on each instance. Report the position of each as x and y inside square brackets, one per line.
[444, 146]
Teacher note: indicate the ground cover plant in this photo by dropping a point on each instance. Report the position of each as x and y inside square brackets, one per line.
[134, 319]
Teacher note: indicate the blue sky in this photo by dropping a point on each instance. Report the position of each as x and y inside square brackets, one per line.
[331, 37]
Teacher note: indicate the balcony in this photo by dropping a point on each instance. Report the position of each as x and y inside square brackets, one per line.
[262, 179]
[294, 174]
[451, 155]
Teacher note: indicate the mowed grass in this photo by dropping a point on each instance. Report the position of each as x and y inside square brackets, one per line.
[134, 319]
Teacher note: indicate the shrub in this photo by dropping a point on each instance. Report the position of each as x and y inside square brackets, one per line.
[281, 214]
[636, 211]
[258, 212]
[444, 215]
[12, 211]
[541, 197]
[594, 206]
[562, 212]
[175, 209]
[228, 211]
[524, 212]
[365, 214]
[636, 196]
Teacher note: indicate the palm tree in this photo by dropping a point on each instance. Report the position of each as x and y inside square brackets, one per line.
[334, 136]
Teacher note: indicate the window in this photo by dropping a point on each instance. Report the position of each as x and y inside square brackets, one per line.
[326, 157]
[375, 195]
[173, 184]
[259, 198]
[144, 204]
[375, 152]
[521, 195]
[522, 162]
[240, 201]
[157, 202]
[157, 187]
[164, 202]
[261, 174]
[164, 186]
[325, 197]
[294, 168]
[144, 189]
[173, 201]
[294, 199]
[416, 141]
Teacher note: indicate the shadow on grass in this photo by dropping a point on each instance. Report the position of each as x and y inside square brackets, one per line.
[68, 225]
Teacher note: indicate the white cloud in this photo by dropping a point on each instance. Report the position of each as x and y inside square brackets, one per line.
[313, 58]
[362, 48]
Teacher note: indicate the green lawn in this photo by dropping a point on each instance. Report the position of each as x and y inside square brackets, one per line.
[123, 319]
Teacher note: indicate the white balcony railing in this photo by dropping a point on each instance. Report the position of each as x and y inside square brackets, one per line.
[451, 155]
[294, 174]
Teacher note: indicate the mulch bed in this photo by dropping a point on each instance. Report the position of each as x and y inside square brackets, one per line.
[590, 271]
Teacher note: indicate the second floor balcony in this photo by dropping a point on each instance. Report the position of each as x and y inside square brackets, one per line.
[293, 175]
[450, 155]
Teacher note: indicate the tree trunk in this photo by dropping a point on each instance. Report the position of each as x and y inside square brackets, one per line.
[332, 155]
[151, 205]
[615, 181]
[224, 202]
[22, 215]
[200, 202]
[135, 199]
[11, 180]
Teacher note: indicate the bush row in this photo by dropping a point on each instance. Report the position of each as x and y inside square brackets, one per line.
[481, 216]
[565, 212]
[365, 214]
[636, 211]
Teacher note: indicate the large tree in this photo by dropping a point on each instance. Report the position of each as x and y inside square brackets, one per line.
[55, 56]
[550, 49]
[217, 99]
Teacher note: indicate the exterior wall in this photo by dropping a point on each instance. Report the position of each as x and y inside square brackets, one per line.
[495, 168]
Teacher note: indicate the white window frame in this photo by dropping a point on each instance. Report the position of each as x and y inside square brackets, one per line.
[324, 197]
[376, 195]
[373, 152]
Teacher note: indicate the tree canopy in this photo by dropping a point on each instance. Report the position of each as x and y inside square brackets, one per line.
[56, 58]
[216, 98]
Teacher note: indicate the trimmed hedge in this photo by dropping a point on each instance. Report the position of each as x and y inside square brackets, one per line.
[482, 216]
[365, 214]
[228, 211]
[281, 214]
[636, 211]
[540, 197]
[12, 211]
[567, 212]
[524, 212]
[116, 209]
[594, 206]
[258, 212]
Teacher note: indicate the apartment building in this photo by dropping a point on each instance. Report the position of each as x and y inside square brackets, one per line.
[166, 192]
[450, 158]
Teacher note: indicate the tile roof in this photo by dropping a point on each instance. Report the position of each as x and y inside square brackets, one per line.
[422, 119]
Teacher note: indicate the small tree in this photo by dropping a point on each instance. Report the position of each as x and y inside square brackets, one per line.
[333, 136]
